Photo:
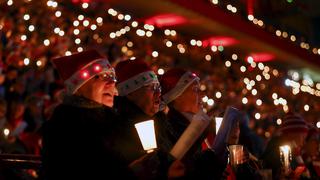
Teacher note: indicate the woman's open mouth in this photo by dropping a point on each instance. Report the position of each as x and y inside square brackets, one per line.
[107, 94]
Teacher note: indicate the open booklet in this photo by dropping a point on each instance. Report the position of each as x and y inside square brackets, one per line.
[199, 122]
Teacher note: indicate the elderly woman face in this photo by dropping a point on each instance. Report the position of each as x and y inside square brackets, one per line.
[101, 88]
[189, 100]
[150, 102]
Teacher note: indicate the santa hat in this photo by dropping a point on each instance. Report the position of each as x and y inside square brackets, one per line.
[174, 82]
[293, 123]
[132, 75]
[76, 69]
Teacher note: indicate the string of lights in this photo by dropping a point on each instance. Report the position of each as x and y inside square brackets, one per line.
[279, 33]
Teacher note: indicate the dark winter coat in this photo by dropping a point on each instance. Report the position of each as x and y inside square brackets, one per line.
[78, 142]
[180, 124]
[271, 157]
[132, 149]
[199, 164]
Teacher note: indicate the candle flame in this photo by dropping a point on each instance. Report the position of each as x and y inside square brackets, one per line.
[6, 132]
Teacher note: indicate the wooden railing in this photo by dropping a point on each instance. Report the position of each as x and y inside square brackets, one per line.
[23, 161]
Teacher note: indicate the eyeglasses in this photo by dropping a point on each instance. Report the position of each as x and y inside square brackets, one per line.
[153, 87]
[107, 77]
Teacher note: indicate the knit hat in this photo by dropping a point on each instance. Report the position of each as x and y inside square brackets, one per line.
[132, 75]
[174, 82]
[293, 123]
[76, 69]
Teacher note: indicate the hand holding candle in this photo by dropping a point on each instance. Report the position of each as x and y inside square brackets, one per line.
[147, 135]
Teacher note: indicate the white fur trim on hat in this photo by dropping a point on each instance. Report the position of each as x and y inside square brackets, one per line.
[136, 82]
[77, 79]
[186, 80]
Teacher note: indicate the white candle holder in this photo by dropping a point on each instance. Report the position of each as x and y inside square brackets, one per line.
[147, 135]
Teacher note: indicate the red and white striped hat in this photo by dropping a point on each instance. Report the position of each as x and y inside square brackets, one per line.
[293, 123]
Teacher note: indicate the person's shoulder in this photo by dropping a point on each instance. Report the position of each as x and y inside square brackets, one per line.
[272, 147]
[172, 114]
[275, 140]
[118, 101]
[160, 115]
[108, 110]
[111, 115]
[63, 107]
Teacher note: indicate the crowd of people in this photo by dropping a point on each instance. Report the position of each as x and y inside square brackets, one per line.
[89, 126]
[77, 111]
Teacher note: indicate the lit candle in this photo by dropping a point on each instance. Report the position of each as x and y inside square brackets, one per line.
[218, 123]
[147, 135]
[6, 132]
[285, 152]
[236, 154]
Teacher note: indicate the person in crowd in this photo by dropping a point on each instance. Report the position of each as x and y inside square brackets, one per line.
[250, 139]
[34, 113]
[78, 140]
[2, 80]
[4, 126]
[181, 92]
[139, 100]
[34, 118]
[10, 143]
[293, 132]
[57, 99]
[16, 111]
[310, 154]
[12, 75]
[248, 165]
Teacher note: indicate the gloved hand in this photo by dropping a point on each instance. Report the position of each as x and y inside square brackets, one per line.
[153, 165]
[200, 115]
[176, 170]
